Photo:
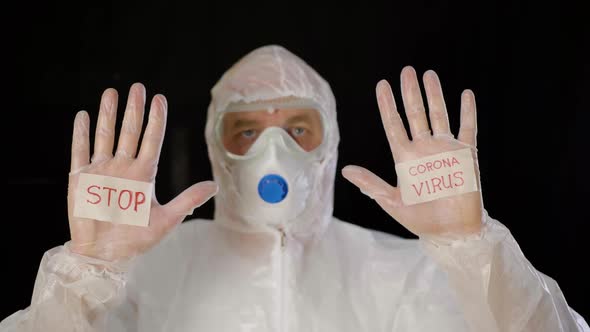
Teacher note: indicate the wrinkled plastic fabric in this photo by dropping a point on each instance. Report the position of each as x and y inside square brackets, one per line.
[314, 273]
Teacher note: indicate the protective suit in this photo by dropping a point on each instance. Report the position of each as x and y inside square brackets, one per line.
[300, 271]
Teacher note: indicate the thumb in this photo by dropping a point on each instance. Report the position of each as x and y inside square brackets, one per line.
[386, 195]
[190, 199]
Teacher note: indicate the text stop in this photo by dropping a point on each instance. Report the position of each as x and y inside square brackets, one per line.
[113, 199]
[125, 198]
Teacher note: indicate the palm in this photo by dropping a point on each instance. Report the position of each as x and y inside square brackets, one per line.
[110, 241]
[460, 214]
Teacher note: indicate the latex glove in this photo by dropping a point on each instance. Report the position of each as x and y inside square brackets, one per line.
[119, 242]
[448, 217]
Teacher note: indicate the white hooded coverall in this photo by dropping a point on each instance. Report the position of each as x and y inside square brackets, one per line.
[311, 273]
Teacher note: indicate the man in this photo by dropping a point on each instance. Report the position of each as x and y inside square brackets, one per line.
[274, 258]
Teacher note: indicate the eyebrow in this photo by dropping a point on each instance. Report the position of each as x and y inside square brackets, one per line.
[241, 123]
[300, 118]
[245, 123]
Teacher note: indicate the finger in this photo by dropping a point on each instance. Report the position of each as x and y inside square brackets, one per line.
[437, 110]
[80, 142]
[132, 122]
[151, 144]
[413, 104]
[386, 195]
[190, 199]
[105, 126]
[468, 129]
[392, 122]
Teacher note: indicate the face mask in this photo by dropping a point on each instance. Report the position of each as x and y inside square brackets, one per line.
[270, 184]
[273, 179]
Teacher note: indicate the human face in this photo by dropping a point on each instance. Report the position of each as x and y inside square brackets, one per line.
[241, 129]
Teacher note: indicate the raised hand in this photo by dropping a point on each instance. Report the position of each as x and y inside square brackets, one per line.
[115, 242]
[454, 215]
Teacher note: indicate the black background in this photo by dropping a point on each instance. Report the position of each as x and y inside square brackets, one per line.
[527, 72]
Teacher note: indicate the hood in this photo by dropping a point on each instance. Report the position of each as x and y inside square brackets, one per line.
[270, 73]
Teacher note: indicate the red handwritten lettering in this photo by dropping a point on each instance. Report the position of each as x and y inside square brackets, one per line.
[436, 183]
[428, 188]
[431, 166]
[109, 194]
[125, 199]
[418, 192]
[128, 203]
[450, 185]
[98, 199]
[459, 176]
[139, 199]
[421, 168]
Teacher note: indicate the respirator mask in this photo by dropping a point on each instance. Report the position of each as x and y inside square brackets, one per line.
[272, 151]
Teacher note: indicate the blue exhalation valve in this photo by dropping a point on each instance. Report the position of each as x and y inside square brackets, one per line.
[272, 188]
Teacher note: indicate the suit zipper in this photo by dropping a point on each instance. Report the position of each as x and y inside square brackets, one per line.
[283, 243]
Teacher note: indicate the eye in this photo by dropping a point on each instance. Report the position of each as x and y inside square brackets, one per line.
[249, 133]
[298, 131]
